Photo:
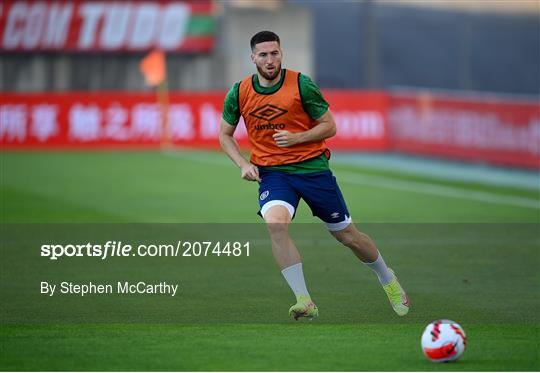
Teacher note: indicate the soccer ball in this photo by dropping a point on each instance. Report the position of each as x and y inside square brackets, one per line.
[443, 340]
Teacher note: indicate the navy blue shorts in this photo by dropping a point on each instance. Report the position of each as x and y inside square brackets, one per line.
[318, 189]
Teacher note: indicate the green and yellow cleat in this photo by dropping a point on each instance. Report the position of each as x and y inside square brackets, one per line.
[397, 296]
[304, 308]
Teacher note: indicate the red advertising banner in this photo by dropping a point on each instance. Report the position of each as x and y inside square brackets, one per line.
[492, 131]
[496, 131]
[109, 119]
[106, 26]
[83, 120]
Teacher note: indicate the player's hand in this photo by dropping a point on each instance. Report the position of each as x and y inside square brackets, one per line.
[250, 172]
[284, 138]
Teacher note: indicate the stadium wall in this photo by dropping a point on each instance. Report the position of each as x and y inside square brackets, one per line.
[477, 129]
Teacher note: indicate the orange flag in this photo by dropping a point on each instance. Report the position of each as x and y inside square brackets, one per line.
[153, 67]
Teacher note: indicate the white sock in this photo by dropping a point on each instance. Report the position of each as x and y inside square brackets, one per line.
[295, 278]
[381, 270]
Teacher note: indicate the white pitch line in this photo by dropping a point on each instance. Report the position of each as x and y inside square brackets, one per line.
[396, 184]
[438, 190]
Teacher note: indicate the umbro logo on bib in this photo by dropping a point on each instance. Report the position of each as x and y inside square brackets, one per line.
[268, 112]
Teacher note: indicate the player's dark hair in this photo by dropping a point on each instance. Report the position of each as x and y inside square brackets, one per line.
[263, 36]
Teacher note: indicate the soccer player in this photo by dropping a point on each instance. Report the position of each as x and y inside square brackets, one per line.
[287, 121]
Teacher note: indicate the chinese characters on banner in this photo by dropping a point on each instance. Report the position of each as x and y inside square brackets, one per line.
[108, 119]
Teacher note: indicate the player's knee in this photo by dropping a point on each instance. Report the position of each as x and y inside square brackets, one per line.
[352, 237]
[346, 238]
[277, 220]
[278, 228]
[277, 224]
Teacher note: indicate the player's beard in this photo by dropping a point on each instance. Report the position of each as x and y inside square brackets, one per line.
[267, 76]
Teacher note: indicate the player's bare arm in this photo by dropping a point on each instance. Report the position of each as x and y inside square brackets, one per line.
[325, 128]
[230, 147]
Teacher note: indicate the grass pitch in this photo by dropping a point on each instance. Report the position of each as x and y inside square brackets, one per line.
[471, 261]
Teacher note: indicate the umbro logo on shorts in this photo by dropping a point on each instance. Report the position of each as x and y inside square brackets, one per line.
[334, 215]
[264, 195]
[268, 112]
